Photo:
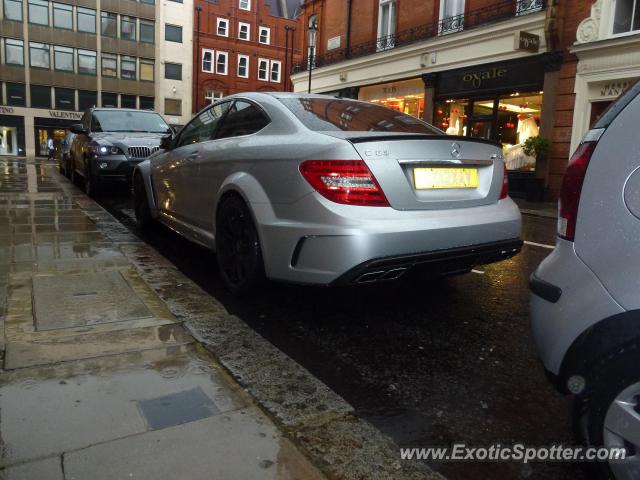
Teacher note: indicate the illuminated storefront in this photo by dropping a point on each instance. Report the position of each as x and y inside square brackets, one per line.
[405, 96]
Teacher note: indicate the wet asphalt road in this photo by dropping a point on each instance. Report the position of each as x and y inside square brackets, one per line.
[428, 362]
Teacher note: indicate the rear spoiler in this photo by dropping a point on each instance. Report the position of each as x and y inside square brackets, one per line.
[451, 138]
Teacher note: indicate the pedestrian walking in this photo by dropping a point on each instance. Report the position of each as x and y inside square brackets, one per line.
[51, 149]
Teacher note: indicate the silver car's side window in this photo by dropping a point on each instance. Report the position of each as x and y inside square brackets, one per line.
[202, 127]
[244, 118]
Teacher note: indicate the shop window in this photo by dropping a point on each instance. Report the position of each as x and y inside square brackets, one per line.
[518, 120]
[410, 104]
[626, 17]
[264, 35]
[244, 31]
[173, 71]
[146, 70]
[128, 101]
[109, 100]
[87, 99]
[128, 28]
[222, 28]
[87, 62]
[173, 33]
[386, 24]
[65, 98]
[212, 96]
[8, 141]
[451, 16]
[40, 96]
[109, 24]
[13, 10]
[38, 12]
[63, 58]
[109, 65]
[128, 68]
[16, 94]
[14, 51]
[86, 20]
[147, 103]
[63, 16]
[243, 66]
[39, 55]
[451, 116]
[172, 106]
[147, 31]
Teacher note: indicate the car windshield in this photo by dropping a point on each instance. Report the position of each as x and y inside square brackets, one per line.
[128, 121]
[335, 114]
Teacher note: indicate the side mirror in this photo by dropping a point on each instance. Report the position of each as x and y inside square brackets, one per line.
[77, 128]
[166, 141]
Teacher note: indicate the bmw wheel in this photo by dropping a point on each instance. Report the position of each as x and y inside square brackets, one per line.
[608, 412]
[238, 247]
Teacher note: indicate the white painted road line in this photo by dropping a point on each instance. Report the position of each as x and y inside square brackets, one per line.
[478, 271]
[534, 244]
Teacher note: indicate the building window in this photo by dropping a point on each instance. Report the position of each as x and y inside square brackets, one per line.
[245, 4]
[173, 71]
[147, 29]
[275, 71]
[63, 16]
[147, 103]
[39, 55]
[87, 99]
[172, 106]
[223, 27]
[264, 35]
[87, 61]
[40, 96]
[149, 2]
[38, 12]
[529, 6]
[16, 96]
[243, 66]
[109, 65]
[386, 25]
[173, 33]
[211, 96]
[146, 70]
[207, 60]
[128, 101]
[128, 28]
[109, 100]
[63, 58]
[451, 16]
[14, 51]
[86, 20]
[128, 68]
[626, 16]
[244, 31]
[13, 10]
[222, 61]
[263, 69]
[109, 24]
[65, 98]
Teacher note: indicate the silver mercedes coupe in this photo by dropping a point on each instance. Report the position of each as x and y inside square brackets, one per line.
[321, 190]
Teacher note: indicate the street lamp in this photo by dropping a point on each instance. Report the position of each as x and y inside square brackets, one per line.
[313, 31]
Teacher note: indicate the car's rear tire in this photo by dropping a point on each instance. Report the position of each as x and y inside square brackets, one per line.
[238, 247]
[612, 399]
[141, 204]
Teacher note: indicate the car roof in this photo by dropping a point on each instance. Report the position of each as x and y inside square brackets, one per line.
[110, 109]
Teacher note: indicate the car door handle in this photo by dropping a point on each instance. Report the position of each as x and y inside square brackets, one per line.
[193, 156]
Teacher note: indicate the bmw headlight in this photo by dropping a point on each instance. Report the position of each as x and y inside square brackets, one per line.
[101, 149]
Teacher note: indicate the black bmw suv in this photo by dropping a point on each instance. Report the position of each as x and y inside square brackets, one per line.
[109, 142]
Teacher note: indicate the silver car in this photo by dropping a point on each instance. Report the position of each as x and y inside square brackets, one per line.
[585, 299]
[321, 190]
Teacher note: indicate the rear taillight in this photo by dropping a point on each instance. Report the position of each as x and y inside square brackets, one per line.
[505, 184]
[569, 198]
[344, 181]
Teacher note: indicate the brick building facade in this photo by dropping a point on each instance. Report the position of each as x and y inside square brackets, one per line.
[243, 45]
[500, 69]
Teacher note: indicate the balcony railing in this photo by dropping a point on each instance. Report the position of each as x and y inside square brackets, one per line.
[497, 12]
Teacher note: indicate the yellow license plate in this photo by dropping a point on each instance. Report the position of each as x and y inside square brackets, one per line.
[428, 178]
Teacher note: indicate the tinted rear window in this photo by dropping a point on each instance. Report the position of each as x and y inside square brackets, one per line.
[616, 107]
[335, 114]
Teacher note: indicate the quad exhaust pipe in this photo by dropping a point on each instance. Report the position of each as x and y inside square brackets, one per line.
[381, 276]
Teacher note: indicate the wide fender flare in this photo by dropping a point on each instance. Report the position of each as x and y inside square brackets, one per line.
[144, 169]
